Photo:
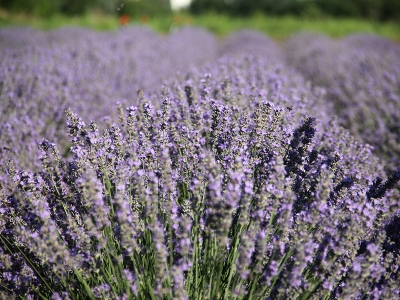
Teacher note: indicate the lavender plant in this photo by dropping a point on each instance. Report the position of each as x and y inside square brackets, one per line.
[251, 42]
[44, 73]
[361, 74]
[220, 186]
[233, 180]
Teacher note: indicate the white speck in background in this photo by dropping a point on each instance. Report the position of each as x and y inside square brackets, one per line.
[177, 4]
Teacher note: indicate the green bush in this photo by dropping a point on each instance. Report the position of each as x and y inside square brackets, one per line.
[339, 8]
[201, 6]
[368, 9]
[390, 10]
[246, 7]
[78, 7]
[41, 8]
[45, 8]
[145, 7]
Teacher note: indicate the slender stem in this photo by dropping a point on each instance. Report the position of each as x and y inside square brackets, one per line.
[28, 261]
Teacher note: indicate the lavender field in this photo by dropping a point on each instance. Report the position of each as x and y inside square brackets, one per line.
[135, 165]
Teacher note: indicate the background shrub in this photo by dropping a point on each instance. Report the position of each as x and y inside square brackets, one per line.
[369, 9]
[75, 7]
[42, 8]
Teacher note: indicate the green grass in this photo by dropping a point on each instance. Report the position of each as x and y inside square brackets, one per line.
[221, 25]
[282, 27]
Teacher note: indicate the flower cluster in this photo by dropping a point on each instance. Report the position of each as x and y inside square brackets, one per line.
[232, 180]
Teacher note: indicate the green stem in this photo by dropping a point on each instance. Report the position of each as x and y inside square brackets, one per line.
[233, 260]
[85, 285]
[28, 261]
[281, 265]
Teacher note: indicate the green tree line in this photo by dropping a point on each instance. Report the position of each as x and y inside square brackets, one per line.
[369, 9]
[79, 7]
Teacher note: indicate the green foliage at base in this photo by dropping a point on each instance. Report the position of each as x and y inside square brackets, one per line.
[219, 24]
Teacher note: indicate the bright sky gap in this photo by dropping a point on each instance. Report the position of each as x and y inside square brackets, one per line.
[177, 4]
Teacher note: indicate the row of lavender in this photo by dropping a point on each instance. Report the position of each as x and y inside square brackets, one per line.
[232, 180]
[361, 74]
[43, 74]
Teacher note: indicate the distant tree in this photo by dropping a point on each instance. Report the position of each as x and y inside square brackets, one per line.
[144, 7]
[339, 8]
[371, 9]
[38, 7]
[79, 7]
[201, 6]
[390, 10]
[247, 7]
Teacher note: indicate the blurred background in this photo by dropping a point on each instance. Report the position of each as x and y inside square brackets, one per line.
[277, 18]
[369, 9]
